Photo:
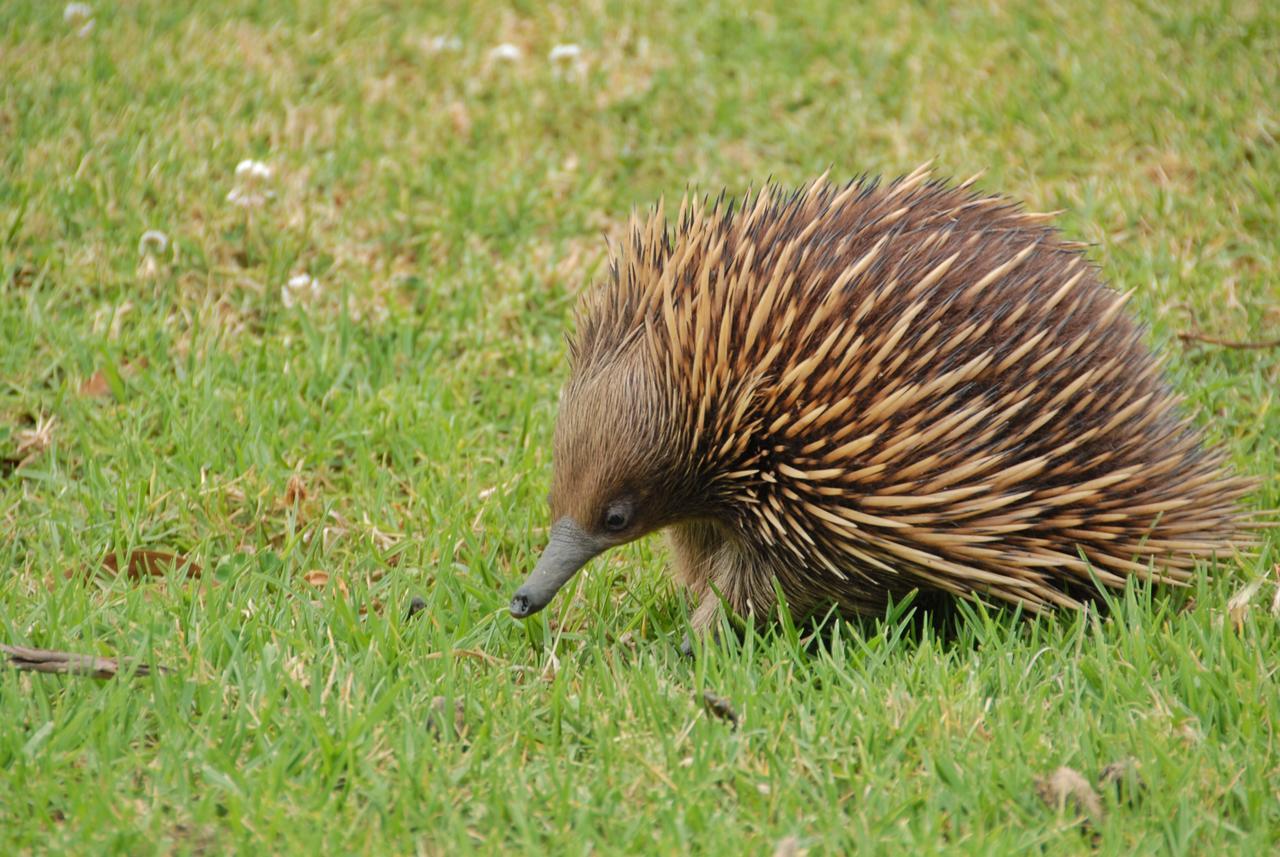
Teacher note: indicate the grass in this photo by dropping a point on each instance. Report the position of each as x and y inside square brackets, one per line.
[387, 437]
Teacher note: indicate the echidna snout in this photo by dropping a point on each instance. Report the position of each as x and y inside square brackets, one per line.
[569, 549]
[847, 393]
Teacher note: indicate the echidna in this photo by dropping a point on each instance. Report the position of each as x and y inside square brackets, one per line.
[857, 391]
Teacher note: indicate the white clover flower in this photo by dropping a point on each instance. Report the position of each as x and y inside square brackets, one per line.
[561, 53]
[152, 241]
[440, 44]
[506, 52]
[567, 61]
[300, 287]
[76, 12]
[248, 192]
[252, 169]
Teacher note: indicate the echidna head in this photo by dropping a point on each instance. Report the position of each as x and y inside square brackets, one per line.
[615, 473]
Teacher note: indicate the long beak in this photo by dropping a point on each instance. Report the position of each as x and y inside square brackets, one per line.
[569, 550]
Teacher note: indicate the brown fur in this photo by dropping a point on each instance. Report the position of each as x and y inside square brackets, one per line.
[860, 390]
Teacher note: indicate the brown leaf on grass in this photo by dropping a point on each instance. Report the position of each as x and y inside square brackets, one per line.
[720, 707]
[295, 492]
[69, 663]
[142, 564]
[98, 385]
[319, 578]
[150, 563]
[1066, 789]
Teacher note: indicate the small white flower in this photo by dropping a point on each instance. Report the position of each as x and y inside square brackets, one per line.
[440, 44]
[300, 287]
[76, 12]
[562, 53]
[252, 169]
[86, 29]
[248, 192]
[567, 61]
[506, 52]
[152, 241]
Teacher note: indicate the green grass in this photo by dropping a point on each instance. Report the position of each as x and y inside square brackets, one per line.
[451, 206]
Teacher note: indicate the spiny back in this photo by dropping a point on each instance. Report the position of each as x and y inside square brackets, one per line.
[915, 380]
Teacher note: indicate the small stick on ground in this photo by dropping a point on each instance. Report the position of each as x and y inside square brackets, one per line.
[1226, 343]
[69, 663]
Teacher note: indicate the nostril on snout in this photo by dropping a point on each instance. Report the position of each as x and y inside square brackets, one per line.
[520, 606]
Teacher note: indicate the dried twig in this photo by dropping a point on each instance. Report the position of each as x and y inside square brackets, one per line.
[1187, 336]
[49, 661]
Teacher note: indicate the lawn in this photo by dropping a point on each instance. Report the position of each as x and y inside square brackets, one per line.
[327, 380]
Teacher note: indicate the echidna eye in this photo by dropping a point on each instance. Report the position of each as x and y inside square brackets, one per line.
[616, 519]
